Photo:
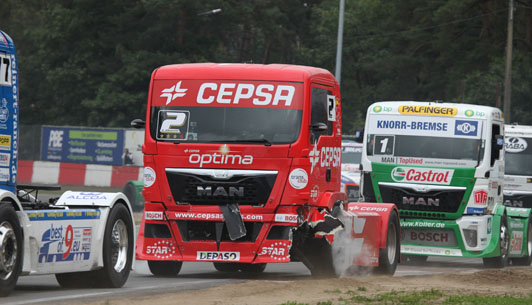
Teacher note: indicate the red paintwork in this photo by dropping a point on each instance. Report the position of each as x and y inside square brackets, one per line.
[281, 209]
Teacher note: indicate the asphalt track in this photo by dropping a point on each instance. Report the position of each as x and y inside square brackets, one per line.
[44, 289]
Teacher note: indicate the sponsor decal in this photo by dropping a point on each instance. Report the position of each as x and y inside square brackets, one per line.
[422, 224]
[436, 237]
[422, 175]
[279, 251]
[356, 208]
[259, 95]
[517, 242]
[5, 142]
[290, 218]
[4, 174]
[4, 159]
[412, 125]
[466, 128]
[298, 178]
[65, 243]
[377, 109]
[428, 110]
[222, 156]
[325, 156]
[475, 211]
[469, 113]
[515, 145]
[408, 249]
[217, 256]
[153, 215]
[481, 197]
[408, 161]
[149, 176]
[516, 224]
[173, 92]
[161, 249]
[211, 216]
[314, 193]
[88, 196]
[62, 215]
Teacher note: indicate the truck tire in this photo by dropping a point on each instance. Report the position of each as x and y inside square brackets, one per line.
[11, 248]
[389, 256]
[165, 268]
[118, 246]
[502, 260]
[117, 255]
[527, 259]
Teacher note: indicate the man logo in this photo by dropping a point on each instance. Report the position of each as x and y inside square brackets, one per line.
[220, 191]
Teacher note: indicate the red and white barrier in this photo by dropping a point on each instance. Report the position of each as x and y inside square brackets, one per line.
[44, 172]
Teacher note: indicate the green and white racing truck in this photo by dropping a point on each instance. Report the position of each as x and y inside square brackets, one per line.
[442, 164]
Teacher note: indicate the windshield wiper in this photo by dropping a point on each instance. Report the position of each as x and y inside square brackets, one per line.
[265, 141]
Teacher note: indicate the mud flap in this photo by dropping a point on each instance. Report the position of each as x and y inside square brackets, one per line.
[233, 220]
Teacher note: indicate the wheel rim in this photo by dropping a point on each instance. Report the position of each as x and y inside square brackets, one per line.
[504, 240]
[8, 250]
[119, 245]
[391, 243]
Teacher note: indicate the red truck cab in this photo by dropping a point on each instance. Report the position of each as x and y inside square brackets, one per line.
[242, 168]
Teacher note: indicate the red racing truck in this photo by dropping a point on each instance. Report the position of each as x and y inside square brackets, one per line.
[242, 168]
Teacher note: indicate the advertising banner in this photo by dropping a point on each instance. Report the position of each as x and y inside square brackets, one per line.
[82, 145]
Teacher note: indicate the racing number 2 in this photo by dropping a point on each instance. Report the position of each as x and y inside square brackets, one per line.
[5, 71]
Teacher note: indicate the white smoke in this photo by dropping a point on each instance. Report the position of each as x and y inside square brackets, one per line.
[345, 248]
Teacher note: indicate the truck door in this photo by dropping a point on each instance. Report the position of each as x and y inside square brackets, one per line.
[326, 153]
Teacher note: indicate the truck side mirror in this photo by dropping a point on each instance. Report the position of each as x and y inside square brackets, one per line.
[138, 123]
[319, 127]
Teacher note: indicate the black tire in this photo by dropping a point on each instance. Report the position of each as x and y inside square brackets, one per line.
[527, 259]
[500, 261]
[414, 259]
[389, 256]
[11, 245]
[252, 268]
[117, 255]
[165, 268]
[226, 267]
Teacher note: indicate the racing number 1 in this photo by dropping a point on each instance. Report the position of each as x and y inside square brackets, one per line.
[384, 145]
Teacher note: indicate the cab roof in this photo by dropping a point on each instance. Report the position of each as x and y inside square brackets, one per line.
[6, 43]
[455, 109]
[271, 72]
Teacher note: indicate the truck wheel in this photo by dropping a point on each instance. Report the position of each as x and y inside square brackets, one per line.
[10, 249]
[389, 256]
[165, 268]
[527, 259]
[502, 260]
[117, 249]
[253, 268]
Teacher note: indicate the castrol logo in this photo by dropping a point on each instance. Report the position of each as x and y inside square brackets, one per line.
[422, 175]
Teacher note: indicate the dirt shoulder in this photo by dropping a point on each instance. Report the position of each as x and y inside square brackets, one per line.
[490, 282]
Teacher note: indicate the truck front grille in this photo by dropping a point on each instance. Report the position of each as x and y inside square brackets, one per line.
[214, 187]
[433, 201]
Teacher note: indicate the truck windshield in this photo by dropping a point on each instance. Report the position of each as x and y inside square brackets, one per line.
[262, 126]
[425, 147]
[519, 164]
